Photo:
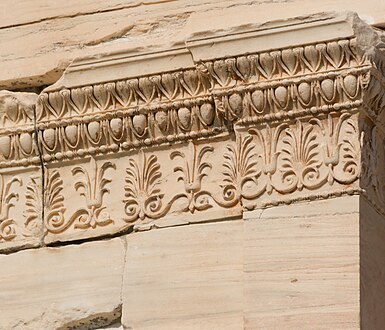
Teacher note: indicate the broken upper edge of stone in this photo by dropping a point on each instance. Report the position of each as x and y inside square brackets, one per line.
[223, 37]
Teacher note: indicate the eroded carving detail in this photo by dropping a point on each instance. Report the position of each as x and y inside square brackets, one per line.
[201, 102]
[372, 157]
[33, 211]
[294, 113]
[341, 148]
[268, 161]
[92, 187]
[192, 172]
[7, 224]
[306, 155]
[267, 140]
[227, 135]
[143, 197]
[300, 159]
[241, 173]
[54, 202]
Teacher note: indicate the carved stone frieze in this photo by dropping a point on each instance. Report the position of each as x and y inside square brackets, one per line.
[88, 184]
[200, 102]
[156, 187]
[20, 208]
[373, 157]
[17, 131]
[259, 165]
[189, 138]
[20, 184]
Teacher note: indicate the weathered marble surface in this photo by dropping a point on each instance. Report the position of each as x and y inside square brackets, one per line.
[61, 288]
[225, 123]
[204, 132]
[50, 35]
[301, 266]
[281, 122]
[268, 269]
[372, 265]
[21, 203]
[300, 269]
[185, 278]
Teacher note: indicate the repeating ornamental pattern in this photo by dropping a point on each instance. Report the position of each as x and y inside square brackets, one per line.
[258, 166]
[208, 141]
[200, 102]
[92, 186]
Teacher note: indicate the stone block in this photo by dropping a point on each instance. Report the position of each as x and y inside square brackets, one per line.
[21, 201]
[72, 30]
[57, 288]
[372, 266]
[159, 187]
[204, 44]
[301, 266]
[187, 277]
[21, 223]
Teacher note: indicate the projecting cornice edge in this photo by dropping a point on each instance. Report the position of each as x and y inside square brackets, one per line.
[204, 46]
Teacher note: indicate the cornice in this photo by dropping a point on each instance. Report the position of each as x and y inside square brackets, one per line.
[201, 101]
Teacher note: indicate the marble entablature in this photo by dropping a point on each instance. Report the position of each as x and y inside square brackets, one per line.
[193, 134]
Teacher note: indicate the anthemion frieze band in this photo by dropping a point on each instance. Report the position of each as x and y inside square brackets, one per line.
[207, 132]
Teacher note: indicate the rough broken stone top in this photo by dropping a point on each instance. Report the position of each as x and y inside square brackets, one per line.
[203, 44]
[73, 29]
[228, 121]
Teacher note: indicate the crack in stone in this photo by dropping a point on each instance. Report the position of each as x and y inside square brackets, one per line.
[125, 246]
[201, 222]
[111, 37]
[117, 8]
[40, 155]
[105, 237]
